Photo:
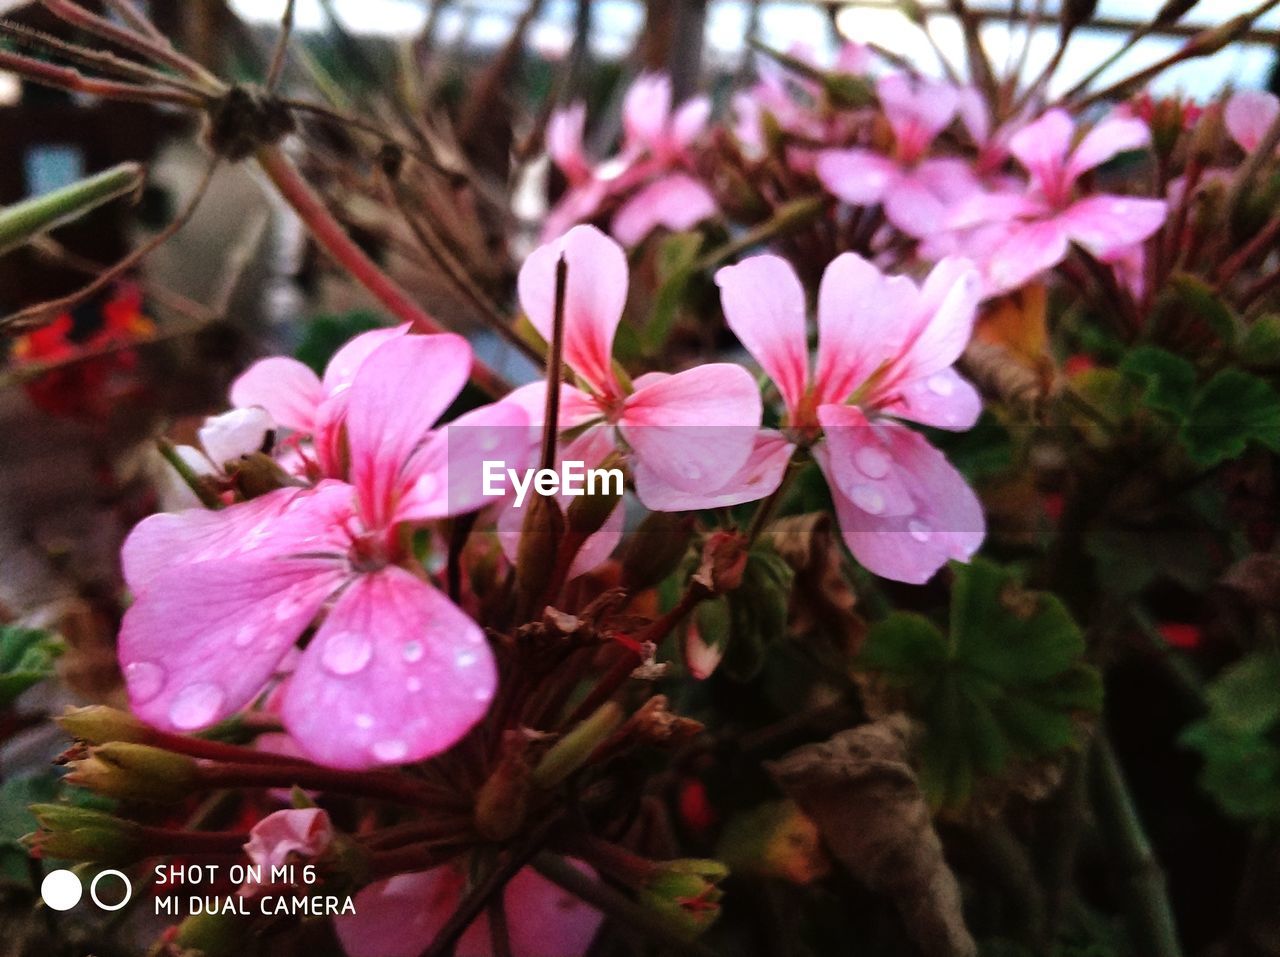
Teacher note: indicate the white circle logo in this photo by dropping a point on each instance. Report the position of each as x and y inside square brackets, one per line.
[93, 889]
[61, 890]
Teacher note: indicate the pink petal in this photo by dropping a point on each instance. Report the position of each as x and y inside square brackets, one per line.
[975, 114]
[287, 389]
[857, 176]
[947, 523]
[694, 429]
[921, 200]
[579, 204]
[346, 362]
[864, 320]
[232, 434]
[1042, 146]
[764, 305]
[860, 462]
[918, 110]
[759, 477]
[306, 832]
[945, 400]
[1105, 225]
[201, 640]
[947, 308]
[1248, 115]
[646, 107]
[286, 521]
[595, 296]
[446, 474]
[1027, 252]
[400, 917]
[564, 141]
[395, 674]
[399, 392]
[1109, 138]
[689, 120]
[676, 201]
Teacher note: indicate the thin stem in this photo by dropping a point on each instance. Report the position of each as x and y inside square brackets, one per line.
[188, 475]
[555, 367]
[298, 193]
[281, 52]
[382, 785]
[1150, 912]
[72, 80]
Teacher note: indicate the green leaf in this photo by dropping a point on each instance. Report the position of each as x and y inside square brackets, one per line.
[16, 821]
[1168, 381]
[1239, 740]
[1200, 299]
[1231, 410]
[23, 221]
[677, 260]
[26, 658]
[1260, 344]
[1007, 683]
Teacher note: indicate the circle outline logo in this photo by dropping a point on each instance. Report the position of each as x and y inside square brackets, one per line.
[93, 889]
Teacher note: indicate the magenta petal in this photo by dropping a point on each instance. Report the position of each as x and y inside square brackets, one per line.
[1106, 225]
[764, 306]
[1042, 146]
[945, 400]
[286, 521]
[289, 391]
[689, 120]
[864, 320]
[646, 108]
[947, 524]
[399, 392]
[860, 464]
[1025, 253]
[694, 429]
[918, 110]
[759, 477]
[594, 299]
[202, 640]
[346, 362]
[676, 202]
[1248, 116]
[395, 674]
[1109, 138]
[857, 176]
[306, 832]
[947, 307]
[913, 208]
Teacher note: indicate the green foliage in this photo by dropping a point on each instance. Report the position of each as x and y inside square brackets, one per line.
[26, 658]
[1239, 740]
[1260, 344]
[325, 335]
[16, 795]
[745, 621]
[1215, 421]
[1007, 683]
[677, 259]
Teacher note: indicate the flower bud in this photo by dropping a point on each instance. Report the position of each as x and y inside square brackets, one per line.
[724, 559]
[503, 800]
[686, 890]
[655, 549]
[257, 474]
[98, 724]
[776, 839]
[587, 513]
[572, 751]
[213, 935]
[540, 534]
[135, 772]
[82, 834]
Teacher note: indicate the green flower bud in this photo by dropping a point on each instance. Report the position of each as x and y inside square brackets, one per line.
[135, 772]
[687, 891]
[98, 724]
[82, 834]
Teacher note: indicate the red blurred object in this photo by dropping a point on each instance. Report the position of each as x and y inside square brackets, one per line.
[695, 808]
[1077, 364]
[1180, 634]
[95, 370]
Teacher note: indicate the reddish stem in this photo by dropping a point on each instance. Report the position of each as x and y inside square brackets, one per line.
[382, 785]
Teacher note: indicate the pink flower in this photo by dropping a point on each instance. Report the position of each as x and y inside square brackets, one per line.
[395, 672]
[1041, 224]
[400, 917]
[885, 353]
[691, 430]
[916, 192]
[1248, 116]
[305, 832]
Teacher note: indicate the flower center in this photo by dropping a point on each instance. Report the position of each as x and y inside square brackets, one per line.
[369, 552]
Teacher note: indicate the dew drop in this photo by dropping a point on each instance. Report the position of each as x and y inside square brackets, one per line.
[868, 499]
[413, 685]
[243, 636]
[465, 659]
[412, 651]
[364, 721]
[482, 693]
[691, 471]
[145, 679]
[919, 530]
[426, 486]
[871, 462]
[390, 750]
[196, 705]
[941, 385]
[346, 653]
[288, 605]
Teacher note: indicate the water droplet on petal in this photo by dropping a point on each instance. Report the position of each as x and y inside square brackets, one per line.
[919, 530]
[412, 651]
[871, 462]
[288, 605]
[414, 685]
[346, 653]
[196, 705]
[691, 471]
[868, 499]
[465, 659]
[426, 486]
[390, 750]
[941, 385]
[145, 679]
[482, 694]
[489, 442]
[243, 637]
[364, 721]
